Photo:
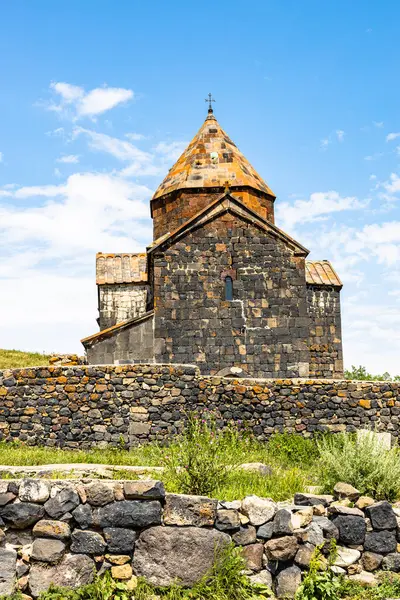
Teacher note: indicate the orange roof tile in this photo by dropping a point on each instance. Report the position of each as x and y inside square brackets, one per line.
[120, 268]
[321, 272]
[211, 160]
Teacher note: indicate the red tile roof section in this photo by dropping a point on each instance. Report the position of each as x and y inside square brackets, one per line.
[211, 160]
[321, 272]
[120, 268]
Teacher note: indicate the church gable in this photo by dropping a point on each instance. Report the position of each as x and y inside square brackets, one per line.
[228, 292]
[222, 205]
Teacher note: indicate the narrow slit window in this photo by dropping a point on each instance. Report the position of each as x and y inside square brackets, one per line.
[228, 288]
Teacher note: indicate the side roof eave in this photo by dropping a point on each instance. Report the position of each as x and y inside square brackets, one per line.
[228, 203]
[89, 341]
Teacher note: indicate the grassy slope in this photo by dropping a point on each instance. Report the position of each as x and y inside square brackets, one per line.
[14, 359]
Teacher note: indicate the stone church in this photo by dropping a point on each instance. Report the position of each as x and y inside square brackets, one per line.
[221, 285]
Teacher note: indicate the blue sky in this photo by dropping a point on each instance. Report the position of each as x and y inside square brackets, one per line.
[98, 98]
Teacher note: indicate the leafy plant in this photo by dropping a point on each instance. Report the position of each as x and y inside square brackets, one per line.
[363, 462]
[199, 462]
[292, 449]
[321, 583]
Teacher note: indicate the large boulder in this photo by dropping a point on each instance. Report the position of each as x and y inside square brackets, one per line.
[87, 542]
[47, 550]
[382, 516]
[253, 555]
[63, 502]
[8, 564]
[227, 520]
[287, 582]
[99, 493]
[311, 534]
[391, 562]
[22, 514]
[57, 530]
[128, 513]
[83, 515]
[119, 540]
[144, 490]
[259, 510]
[312, 499]
[283, 522]
[329, 530]
[345, 490]
[352, 530]
[372, 561]
[73, 571]
[182, 510]
[167, 554]
[34, 490]
[346, 556]
[283, 548]
[380, 542]
[245, 535]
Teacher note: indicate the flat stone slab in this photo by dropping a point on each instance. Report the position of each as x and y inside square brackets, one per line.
[75, 469]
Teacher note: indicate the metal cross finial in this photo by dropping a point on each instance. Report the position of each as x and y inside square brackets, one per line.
[210, 99]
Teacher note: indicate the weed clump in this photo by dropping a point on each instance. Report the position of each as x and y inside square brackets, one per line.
[361, 461]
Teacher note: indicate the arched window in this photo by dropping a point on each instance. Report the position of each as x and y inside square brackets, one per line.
[228, 288]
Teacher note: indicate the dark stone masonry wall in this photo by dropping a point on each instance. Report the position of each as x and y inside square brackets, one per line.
[264, 329]
[84, 406]
[63, 532]
[326, 355]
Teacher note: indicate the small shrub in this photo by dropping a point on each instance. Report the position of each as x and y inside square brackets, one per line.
[388, 587]
[293, 449]
[321, 583]
[362, 462]
[199, 462]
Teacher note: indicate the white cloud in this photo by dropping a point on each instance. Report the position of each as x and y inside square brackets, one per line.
[378, 124]
[135, 137]
[141, 163]
[1, 157]
[68, 159]
[393, 185]
[120, 149]
[325, 143]
[319, 206]
[392, 136]
[48, 250]
[171, 150]
[340, 135]
[100, 100]
[75, 103]
[375, 156]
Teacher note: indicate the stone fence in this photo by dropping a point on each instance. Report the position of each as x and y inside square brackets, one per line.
[85, 406]
[63, 532]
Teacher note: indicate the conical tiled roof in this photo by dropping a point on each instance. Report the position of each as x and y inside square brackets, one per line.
[211, 160]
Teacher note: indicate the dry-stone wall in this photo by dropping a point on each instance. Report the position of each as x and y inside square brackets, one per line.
[63, 532]
[85, 406]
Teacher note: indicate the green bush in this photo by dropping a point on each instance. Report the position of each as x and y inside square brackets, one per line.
[199, 461]
[321, 583]
[361, 374]
[293, 449]
[362, 462]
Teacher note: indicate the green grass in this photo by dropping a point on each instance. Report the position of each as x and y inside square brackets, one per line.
[233, 448]
[15, 359]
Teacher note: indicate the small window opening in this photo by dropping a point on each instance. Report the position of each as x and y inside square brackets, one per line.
[228, 288]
